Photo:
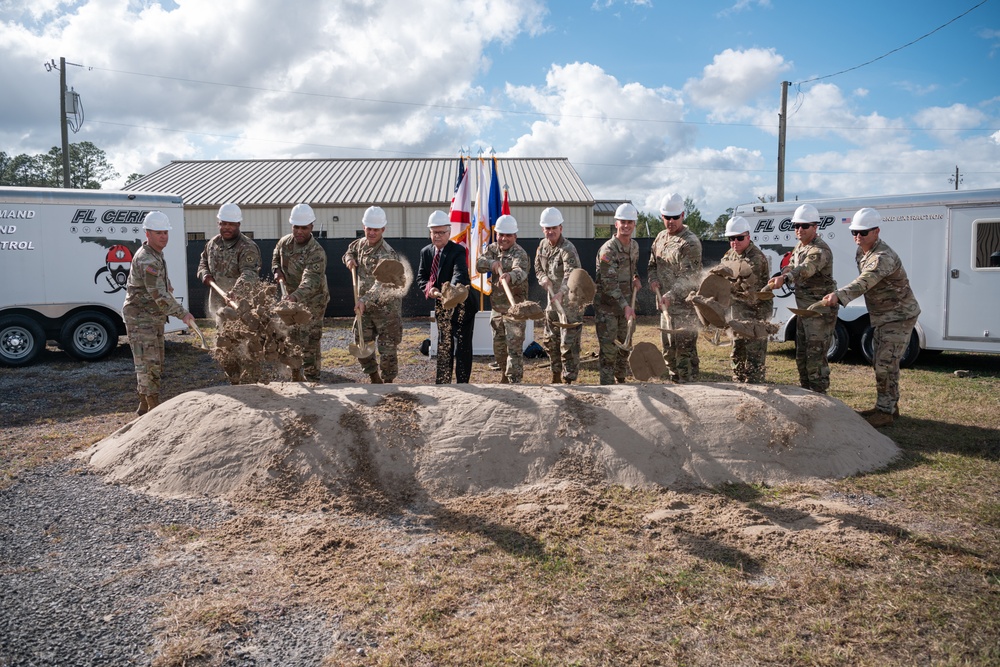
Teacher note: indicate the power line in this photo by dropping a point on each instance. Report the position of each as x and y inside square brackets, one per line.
[516, 112]
[900, 48]
[588, 164]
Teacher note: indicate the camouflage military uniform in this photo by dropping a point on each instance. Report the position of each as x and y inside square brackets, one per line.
[148, 303]
[227, 262]
[675, 261]
[563, 345]
[508, 334]
[304, 268]
[810, 270]
[382, 320]
[749, 356]
[893, 311]
[616, 267]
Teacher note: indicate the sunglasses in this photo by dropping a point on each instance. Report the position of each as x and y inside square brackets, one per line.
[802, 225]
[673, 217]
[737, 239]
[860, 232]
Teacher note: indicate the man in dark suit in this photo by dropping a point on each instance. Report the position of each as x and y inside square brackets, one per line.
[444, 261]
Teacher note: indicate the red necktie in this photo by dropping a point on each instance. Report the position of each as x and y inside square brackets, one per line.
[434, 273]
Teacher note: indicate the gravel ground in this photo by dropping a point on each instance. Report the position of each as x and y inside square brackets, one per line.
[87, 570]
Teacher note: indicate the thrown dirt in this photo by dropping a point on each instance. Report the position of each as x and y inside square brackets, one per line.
[386, 445]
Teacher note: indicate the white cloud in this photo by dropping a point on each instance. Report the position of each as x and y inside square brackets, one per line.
[737, 80]
[945, 123]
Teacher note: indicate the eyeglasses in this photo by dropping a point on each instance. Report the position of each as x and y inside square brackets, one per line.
[737, 239]
[444, 233]
[673, 217]
[802, 225]
[860, 232]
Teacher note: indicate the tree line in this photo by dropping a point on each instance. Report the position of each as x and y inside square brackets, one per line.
[88, 168]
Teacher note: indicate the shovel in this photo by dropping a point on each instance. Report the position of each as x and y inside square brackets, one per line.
[627, 345]
[562, 323]
[194, 327]
[814, 310]
[361, 349]
[523, 311]
[765, 294]
[666, 314]
[232, 309]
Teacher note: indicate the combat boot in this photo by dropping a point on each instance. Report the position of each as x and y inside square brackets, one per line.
[152, 400]
[504, 380]
[567, 381]
[375, 377]
[869, 413]
[556, 377]
[880, 419]
[297, 375]
[143, 405]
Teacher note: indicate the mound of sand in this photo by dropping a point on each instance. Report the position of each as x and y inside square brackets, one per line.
[443, 441]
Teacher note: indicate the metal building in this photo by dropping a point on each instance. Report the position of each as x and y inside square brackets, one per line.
[340, 190]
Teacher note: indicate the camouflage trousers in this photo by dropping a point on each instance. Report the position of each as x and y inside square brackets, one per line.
[145, 336]
[613, 361]
[813, 337]
[890, 342]
[680, 351]
[508, 345]
[748, 358]
[385, 327]
[308, 337]
[455, 329]
[563, 345]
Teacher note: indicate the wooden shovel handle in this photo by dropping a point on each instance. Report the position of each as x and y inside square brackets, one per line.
[225, 297]
[354, 280]
[506, 288]
[284, 287]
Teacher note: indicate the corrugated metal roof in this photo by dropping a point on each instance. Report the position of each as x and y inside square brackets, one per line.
[357, 181]
[608, 206]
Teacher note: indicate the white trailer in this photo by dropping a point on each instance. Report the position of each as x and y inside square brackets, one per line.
[65, 257]
[949, 243]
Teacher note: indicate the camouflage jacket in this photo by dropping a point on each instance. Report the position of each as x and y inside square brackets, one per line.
[884, 283]
[515, 262]
[304, 268]
[227, 262]
[367, 257]
[616, 267]
[745, 307]
[555, 262]
[148, 291]
[675, 261]
[811, 271]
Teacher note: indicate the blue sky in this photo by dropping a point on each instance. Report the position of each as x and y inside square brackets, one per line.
[644, 97]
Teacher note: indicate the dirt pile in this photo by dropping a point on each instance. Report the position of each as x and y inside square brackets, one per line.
[445, 441]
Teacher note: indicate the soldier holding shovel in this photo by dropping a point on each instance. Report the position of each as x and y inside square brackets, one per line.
[617, 280]
[379, 311]
[750, 270]
[555, 259]
[509, 264]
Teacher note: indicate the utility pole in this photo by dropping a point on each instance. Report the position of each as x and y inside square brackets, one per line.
[782, 126]
[62, 121]
[956, 179]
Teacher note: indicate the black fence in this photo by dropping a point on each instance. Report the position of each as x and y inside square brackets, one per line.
[414, 304]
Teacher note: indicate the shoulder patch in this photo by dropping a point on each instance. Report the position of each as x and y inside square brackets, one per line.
[151, 270]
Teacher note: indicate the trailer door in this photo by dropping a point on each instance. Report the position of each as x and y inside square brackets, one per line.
[973, 300]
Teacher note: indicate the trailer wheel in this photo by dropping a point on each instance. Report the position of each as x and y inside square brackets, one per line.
[909, 356]
[89, 336]
[21, 340]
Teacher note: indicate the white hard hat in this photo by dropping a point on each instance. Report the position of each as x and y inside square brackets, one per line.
[551, 217]
[671, 204]
[865, 218]
[737, 225]
[506, 224]
[302, 215]
[806, 213]
[156, 221]
[374, 217]
[438, 219]
[626, 212]
[230, 213]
